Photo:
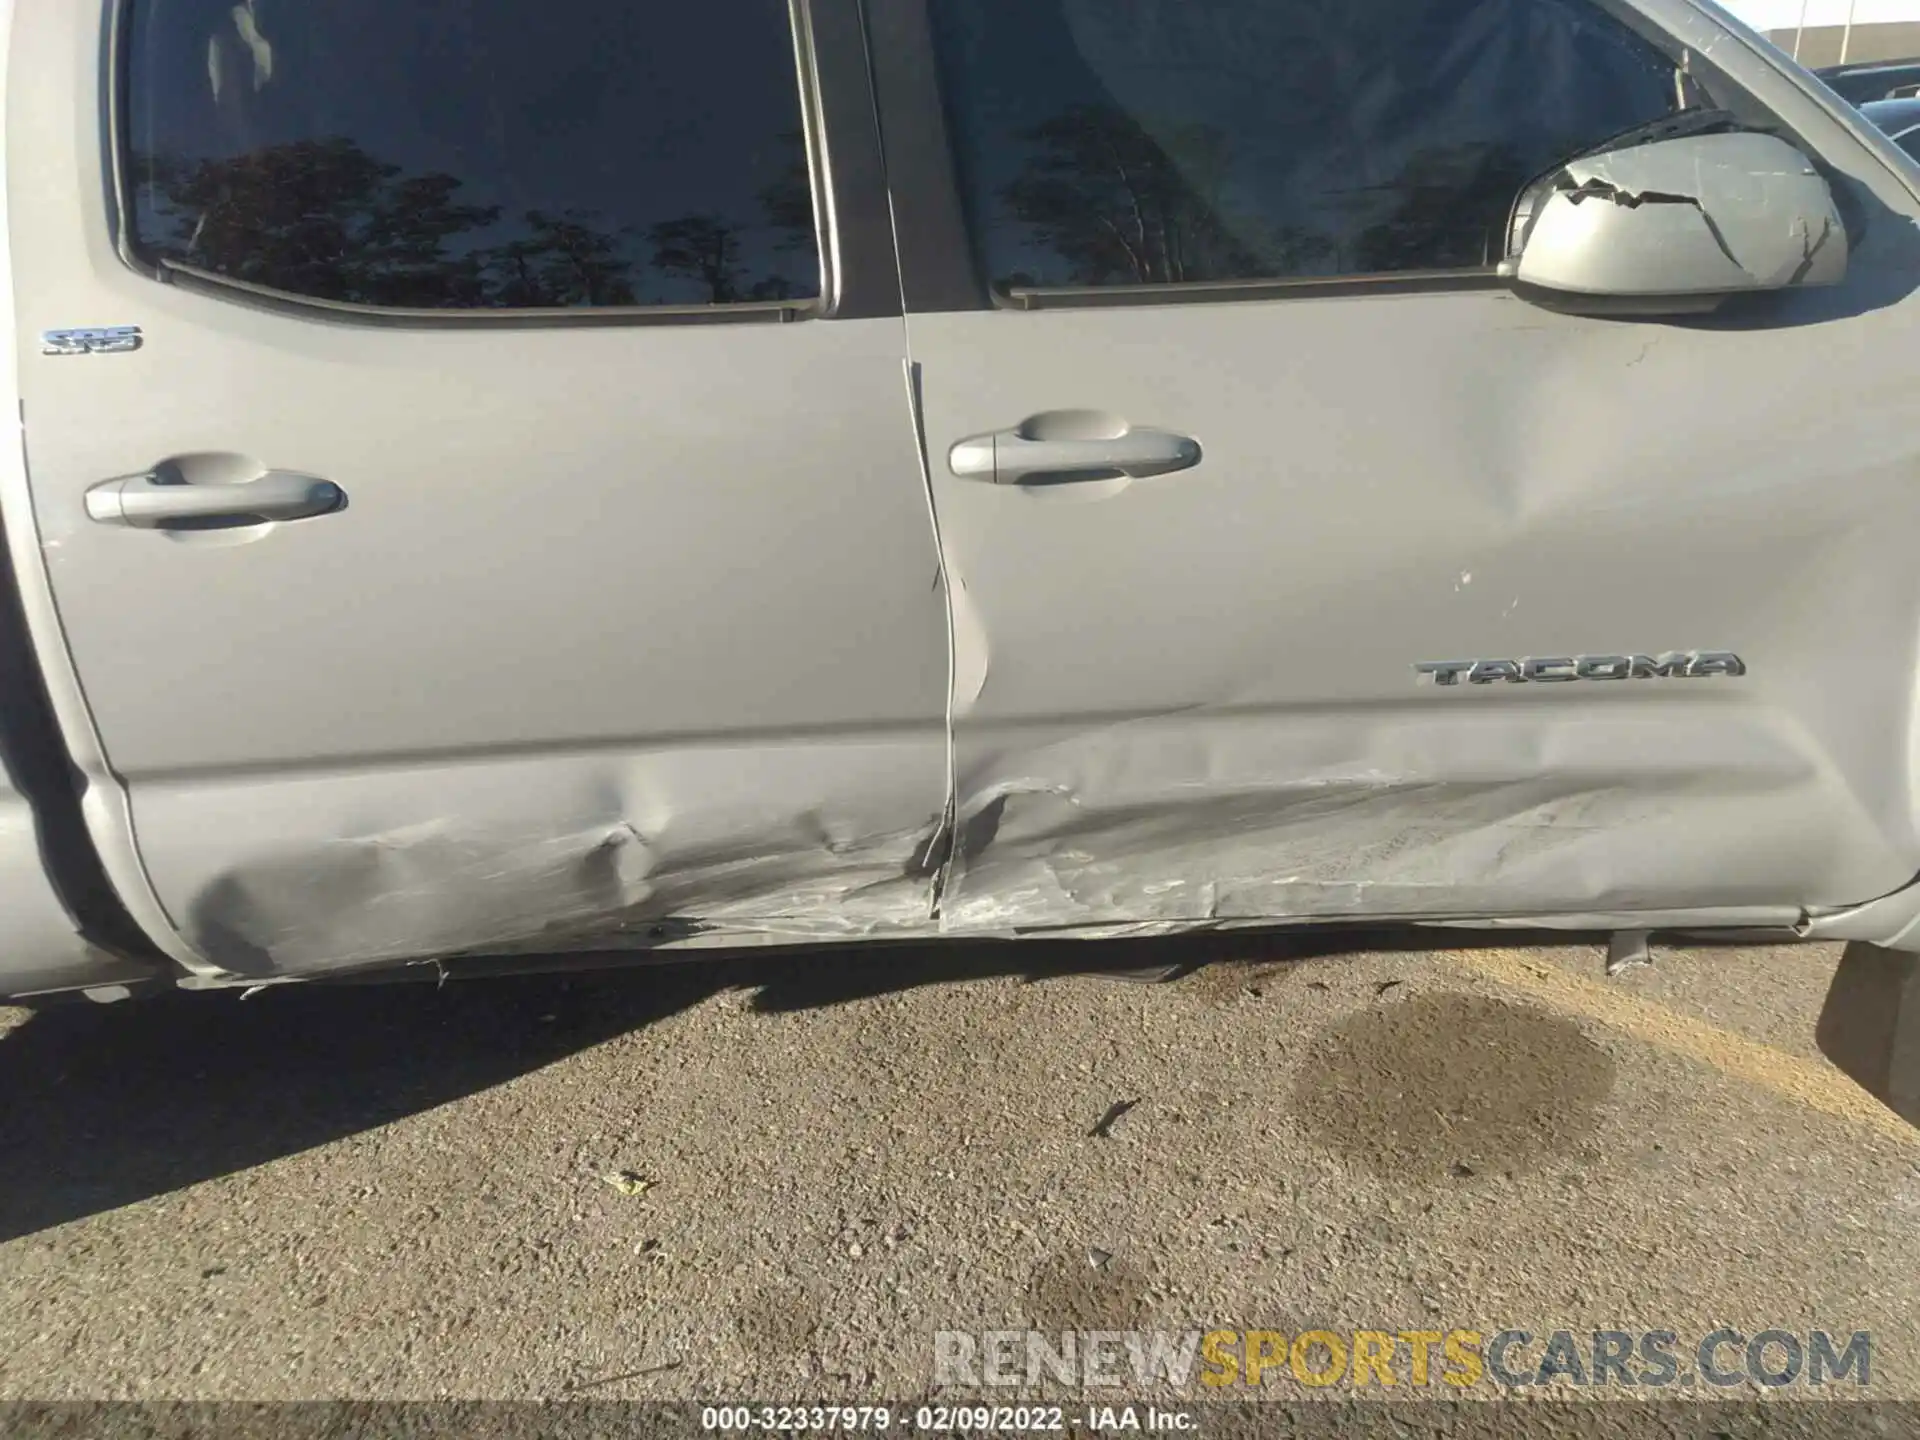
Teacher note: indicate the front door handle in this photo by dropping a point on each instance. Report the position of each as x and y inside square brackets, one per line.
[1029, 454]
[158, 500]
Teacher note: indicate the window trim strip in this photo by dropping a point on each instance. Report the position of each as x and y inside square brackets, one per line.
[208, 282]
[1306, 287]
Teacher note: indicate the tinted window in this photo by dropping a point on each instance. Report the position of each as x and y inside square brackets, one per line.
[1909, 142]
[474, 153]
[1119, 142]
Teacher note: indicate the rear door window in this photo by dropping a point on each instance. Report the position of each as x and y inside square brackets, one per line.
[473, 154]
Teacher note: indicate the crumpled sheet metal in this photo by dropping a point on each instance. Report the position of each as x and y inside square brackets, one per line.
[1414, 817]
[569, 852]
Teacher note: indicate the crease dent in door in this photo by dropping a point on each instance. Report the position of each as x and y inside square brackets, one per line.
[562, 854]
[1277, 837]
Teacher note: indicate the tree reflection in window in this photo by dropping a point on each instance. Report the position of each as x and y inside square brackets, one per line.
[1118, 206]
[1170, 142]
[323, 218]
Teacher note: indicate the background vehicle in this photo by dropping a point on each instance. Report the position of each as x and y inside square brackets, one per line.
[1881, 80]
[944, 471]
[1900, 119]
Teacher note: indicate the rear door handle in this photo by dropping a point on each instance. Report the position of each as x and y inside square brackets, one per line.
[152, 502]
[1015, 457]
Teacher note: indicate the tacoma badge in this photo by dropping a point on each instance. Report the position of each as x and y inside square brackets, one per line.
[1585, 667]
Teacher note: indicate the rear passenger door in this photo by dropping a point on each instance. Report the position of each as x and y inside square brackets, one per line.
[1233, 425]
[498, 518]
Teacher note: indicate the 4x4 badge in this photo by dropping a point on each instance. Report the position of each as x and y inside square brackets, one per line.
[92, 340]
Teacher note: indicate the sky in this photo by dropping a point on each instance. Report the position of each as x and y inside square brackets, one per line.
[1784, 14]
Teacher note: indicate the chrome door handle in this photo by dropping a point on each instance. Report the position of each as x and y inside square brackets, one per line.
[149, 502]
[1009, 457]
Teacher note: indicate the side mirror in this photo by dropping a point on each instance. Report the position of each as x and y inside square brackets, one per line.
[1675, 226]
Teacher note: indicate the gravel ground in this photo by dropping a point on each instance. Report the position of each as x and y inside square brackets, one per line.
[780, 1178]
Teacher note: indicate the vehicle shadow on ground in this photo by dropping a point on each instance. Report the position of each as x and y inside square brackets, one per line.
[105, 1105]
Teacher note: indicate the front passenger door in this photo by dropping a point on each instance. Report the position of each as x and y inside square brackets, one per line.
[1232, 425]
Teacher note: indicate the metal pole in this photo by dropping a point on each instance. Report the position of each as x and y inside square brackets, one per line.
[1800, 29]
[1846, 35]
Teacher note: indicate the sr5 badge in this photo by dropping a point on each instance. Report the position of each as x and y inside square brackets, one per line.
[91, 340]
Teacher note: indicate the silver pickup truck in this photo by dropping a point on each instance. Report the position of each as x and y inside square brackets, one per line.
[496, 480]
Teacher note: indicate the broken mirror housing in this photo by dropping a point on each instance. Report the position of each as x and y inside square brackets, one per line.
[1679, 224]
